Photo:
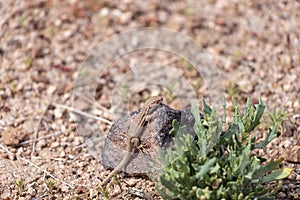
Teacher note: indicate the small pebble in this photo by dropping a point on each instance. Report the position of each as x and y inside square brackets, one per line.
[58, 113]
[132, 182]
[62, 154]
[292, 186]
[41, 143]
[31, 191]
[297, 177]
[6, 194]
[12, 156]
[77, 141]
[51, 89]
[55, 144]
[281, 194]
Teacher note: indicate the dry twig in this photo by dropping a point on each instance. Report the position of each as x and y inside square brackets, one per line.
[83, 113]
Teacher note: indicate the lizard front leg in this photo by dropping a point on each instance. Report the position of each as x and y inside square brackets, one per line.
[150, 117]
[135, 142]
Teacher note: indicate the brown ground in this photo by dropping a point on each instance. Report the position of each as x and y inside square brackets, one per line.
[255, 45]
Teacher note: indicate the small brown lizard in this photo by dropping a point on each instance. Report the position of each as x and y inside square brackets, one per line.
[133, 135]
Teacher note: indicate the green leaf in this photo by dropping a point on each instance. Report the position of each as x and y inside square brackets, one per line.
[206, 109]
[215, 169]
[162, 193]
[278, 174]
[260, 108]
[195, 112]
[168, 184]
[224, 111]
[244, 158]
[162, 157]
[270, 166]
[175, 127]
[272, 135]
[214, 131]
[205, 168]
[233, 129]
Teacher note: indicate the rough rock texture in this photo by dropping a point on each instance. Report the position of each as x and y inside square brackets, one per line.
[155, 135]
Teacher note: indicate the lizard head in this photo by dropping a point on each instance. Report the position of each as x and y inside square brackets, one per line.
[153, 103]
[154, 100]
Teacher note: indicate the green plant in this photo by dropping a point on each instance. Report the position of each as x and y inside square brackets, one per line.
[217, 164]
[277, 117]
[196, 86]
[237, 54]
[20, 184]
[104, 191]
[125, 91]
[50, 184]
[28, 61]
[233, 91]
[21, 20]
[188, 11]
[51, 31]
[184, 64]
[84, 73]
[169, 92]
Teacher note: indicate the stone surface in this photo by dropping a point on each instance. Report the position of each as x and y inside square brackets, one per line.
[13, 136]
[155, 135]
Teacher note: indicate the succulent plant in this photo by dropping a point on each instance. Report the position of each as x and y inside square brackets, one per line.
[219, 164]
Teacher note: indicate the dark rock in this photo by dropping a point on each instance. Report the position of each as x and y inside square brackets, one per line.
[155, 135]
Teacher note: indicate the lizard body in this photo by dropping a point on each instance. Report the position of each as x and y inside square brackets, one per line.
[133, 135]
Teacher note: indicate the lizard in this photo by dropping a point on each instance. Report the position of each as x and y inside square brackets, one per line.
[134, 133]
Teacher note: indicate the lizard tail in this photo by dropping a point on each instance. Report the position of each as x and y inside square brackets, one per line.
[108, 178]
[117, 169]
